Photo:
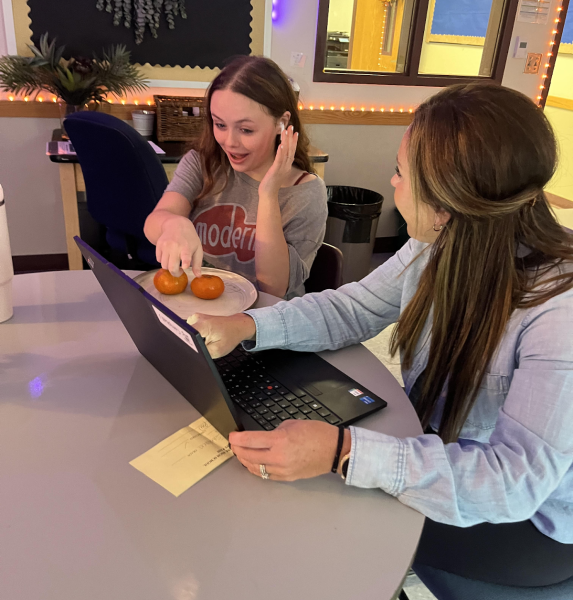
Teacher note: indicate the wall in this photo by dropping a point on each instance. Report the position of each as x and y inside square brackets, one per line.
[458, 59]
[562, 122]
[340, 15]
[359, 155]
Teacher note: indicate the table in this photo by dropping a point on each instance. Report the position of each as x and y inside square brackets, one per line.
[72, 182]
[77, 521]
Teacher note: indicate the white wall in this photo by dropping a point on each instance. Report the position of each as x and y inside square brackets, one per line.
[359, 155]
[32, 187]
[3, 44]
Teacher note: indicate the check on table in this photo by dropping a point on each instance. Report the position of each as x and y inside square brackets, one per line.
[185, 457]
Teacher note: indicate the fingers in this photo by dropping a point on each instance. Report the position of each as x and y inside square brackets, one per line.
[185, 259]
[197, 261]
[252, 439]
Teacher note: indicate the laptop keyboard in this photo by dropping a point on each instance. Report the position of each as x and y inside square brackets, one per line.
[264, 398]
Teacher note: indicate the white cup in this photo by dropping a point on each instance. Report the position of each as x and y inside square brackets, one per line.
[6, 268]
[143, 121]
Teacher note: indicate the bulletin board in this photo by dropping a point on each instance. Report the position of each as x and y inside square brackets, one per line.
[566, 45]
[214, 32]
[458, 21]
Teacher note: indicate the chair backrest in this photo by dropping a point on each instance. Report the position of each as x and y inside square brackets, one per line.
[326, 270]
[446, 586]
[124, 177]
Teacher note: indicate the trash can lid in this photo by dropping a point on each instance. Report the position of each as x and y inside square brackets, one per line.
[345, 194]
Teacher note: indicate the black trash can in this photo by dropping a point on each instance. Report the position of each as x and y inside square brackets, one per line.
[353, 215]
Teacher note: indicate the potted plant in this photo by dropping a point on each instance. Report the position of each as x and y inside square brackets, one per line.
[77, 81]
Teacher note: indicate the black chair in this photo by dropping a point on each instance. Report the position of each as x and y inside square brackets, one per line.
[446, 586]
[124, 181]
[326, 270]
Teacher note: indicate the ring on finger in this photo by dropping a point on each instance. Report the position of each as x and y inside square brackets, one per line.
[263, 471]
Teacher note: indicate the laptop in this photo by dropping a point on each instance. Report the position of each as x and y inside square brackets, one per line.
[243, 390]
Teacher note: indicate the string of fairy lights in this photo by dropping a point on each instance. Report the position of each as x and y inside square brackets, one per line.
[548, 66]
[550, 56]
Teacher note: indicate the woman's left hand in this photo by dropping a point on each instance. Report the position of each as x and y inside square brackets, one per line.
[278, 175]
[294, 450]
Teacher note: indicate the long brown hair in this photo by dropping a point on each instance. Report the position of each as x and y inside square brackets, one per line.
[261, 80]
[483, 153]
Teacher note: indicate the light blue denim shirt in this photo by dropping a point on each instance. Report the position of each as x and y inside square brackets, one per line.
[514, 458]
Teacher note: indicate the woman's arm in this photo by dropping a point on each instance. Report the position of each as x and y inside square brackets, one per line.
[325, 321]
[271, 250]
[169, 228]
[529, 453]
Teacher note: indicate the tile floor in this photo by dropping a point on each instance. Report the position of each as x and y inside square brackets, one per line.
[380, 346]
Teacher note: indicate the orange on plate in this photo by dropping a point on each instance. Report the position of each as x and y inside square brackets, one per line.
[207, 287]
[169, 284]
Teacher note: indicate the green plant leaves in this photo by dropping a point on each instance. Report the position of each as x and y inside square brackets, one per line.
[48, 70]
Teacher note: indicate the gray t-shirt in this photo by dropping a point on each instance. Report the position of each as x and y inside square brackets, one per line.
[226, 222]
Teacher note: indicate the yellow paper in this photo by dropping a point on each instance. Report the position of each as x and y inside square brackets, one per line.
[185, 457]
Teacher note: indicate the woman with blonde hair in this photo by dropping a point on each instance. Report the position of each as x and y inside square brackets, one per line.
[483, 299]
[247, 200]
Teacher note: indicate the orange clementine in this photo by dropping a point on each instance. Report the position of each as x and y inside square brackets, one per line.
[207, 287]
[169, 284]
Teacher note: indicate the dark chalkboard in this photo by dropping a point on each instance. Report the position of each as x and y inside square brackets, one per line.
[567, 37]
[461, 17]
[214, 31]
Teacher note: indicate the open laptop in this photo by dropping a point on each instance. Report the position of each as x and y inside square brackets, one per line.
[243, 390]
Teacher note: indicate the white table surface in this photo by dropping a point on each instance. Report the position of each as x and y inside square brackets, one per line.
[77, 522]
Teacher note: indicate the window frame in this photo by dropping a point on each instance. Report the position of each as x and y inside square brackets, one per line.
[411, 77]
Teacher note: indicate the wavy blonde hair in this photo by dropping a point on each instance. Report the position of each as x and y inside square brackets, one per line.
[483, 153]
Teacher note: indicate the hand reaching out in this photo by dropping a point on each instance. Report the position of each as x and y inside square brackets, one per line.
[179, 246]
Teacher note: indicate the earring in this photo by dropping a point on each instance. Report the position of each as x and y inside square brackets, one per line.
[440, 229]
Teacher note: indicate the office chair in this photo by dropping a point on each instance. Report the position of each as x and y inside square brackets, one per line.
[446, 586]
[124, 181]
[326, 270]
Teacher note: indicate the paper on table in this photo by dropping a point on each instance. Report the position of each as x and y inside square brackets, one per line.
[185, 457]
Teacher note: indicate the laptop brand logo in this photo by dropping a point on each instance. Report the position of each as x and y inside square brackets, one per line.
[356, 392]
[90, 262]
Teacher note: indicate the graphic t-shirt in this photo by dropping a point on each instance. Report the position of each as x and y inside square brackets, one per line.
[226, 222]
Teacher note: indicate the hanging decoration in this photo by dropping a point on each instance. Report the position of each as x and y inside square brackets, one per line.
[143, 13]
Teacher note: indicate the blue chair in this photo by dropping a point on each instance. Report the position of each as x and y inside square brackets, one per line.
[446, 586]
[124, 181]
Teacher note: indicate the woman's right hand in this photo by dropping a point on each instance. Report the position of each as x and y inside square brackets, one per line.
[179, 246]
[223, 334]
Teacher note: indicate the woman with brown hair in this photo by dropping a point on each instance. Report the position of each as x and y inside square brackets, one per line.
[248, 200]
[483, 299]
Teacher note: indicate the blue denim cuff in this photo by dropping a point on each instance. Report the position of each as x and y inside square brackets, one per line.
[271, 329]
[376, 461]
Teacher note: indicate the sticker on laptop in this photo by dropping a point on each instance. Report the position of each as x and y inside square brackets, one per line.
[176, 329]
[90, 262]
[356, 392]
[367, 400]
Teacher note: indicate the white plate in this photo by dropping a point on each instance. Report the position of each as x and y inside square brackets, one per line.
[239, 295]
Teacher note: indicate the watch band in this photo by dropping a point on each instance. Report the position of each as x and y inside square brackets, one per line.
[338, 448]
[344, 465]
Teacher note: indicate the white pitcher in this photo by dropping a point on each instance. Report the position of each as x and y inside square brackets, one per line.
[6, 268]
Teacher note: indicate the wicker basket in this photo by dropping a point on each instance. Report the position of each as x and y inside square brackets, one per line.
[175, 126]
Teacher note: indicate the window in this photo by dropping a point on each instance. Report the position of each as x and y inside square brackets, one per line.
[412, 42]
